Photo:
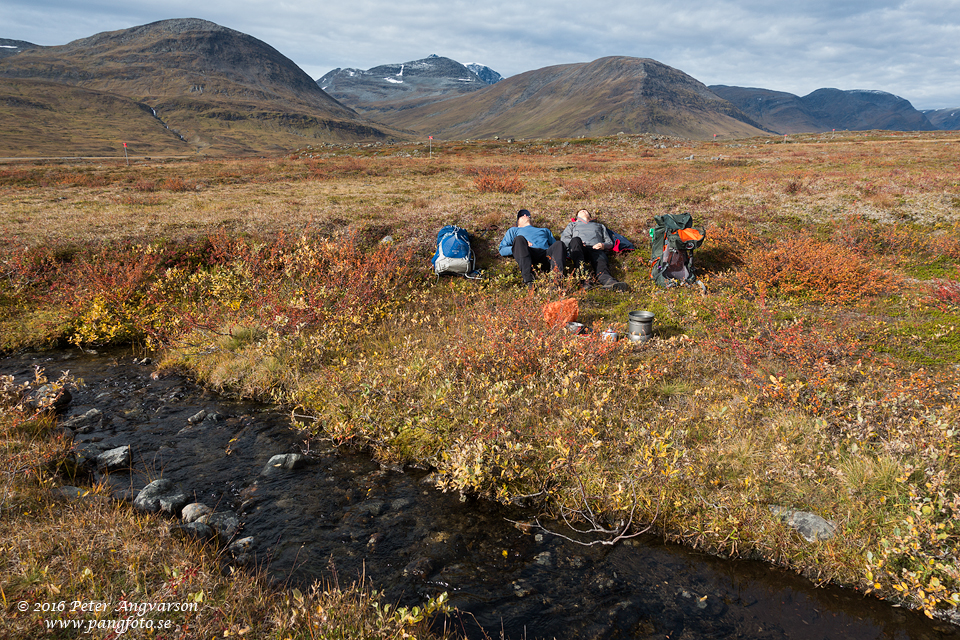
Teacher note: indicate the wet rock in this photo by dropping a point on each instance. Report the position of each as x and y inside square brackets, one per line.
[192, 530]
[544, 559]
[161, 496]
[809, 525]
[114, 459]
[248, 505]
[194, 511]
[372, 507]
[86, 422]
[241, 546]
[197, 417]
[285, 462]
[400, 503]
[225, 523]
[174, 503]
[420, 567]
[522, 589]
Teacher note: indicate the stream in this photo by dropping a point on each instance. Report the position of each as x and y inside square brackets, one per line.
[344, 516]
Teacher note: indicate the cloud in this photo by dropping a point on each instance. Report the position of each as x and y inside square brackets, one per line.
[904, 47]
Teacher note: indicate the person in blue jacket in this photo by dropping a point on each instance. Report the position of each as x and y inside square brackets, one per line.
[530, 245]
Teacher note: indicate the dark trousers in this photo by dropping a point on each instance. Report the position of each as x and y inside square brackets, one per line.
[579, 253]
[527, 256]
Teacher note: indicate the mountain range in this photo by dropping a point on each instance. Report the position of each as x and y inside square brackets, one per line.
[826, 109]
[188, 86]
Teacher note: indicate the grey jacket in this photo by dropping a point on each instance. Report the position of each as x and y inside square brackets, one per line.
[590, 232]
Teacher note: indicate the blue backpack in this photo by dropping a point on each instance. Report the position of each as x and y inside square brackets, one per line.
[454, 254]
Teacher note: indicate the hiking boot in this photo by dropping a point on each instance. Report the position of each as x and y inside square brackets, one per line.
[617, 286]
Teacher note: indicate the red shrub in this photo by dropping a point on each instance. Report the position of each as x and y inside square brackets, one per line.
[811, 270]
[498, 181]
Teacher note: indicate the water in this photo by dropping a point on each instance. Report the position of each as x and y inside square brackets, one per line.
[344, 517]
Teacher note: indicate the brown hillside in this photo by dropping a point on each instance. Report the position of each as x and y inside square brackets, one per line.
[221, 90]
[50, 119]
[604, 97]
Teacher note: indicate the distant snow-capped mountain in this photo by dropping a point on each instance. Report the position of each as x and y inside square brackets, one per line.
[484, 72]
[427, 79]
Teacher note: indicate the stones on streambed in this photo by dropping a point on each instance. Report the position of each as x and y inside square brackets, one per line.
[285, 462]
[201, 522]
[161, 496]
[200, 419]
[84, 423]
[164, 496]
[115, 459]
[809, 525]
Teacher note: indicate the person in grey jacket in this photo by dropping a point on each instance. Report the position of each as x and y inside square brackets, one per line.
[589, 241]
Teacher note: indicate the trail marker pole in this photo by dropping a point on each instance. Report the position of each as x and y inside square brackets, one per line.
[431, 147]
[125, 154]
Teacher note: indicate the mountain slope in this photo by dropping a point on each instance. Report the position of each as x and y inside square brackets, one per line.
[42, 119]
[826, 109]
[603, 97]
[220, 89]
[944, 119]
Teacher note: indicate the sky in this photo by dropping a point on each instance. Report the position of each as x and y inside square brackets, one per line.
[910, 49]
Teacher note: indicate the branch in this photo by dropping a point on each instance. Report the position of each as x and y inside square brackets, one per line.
[619, 533]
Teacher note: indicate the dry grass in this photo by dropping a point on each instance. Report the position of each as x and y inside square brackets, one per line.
[819, 374]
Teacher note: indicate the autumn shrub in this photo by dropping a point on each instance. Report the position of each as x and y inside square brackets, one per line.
[309, 299]
[177, 185]
[805, 268]
[498, 181]
[83, 179]
[947, 292]
[145, 186]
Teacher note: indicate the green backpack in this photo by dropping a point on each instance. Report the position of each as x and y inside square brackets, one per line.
[672, 242]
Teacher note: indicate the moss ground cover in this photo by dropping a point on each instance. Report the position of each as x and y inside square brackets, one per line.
[819, 373]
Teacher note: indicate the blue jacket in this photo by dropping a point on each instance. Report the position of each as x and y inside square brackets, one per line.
[539, 237]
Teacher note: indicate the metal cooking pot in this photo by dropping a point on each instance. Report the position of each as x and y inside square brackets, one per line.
[640, 326]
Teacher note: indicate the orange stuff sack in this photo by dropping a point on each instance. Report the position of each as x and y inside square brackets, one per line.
[690, 235]
[561, 311]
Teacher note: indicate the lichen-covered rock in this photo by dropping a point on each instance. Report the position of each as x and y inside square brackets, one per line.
[809, 525]
[194, 511]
